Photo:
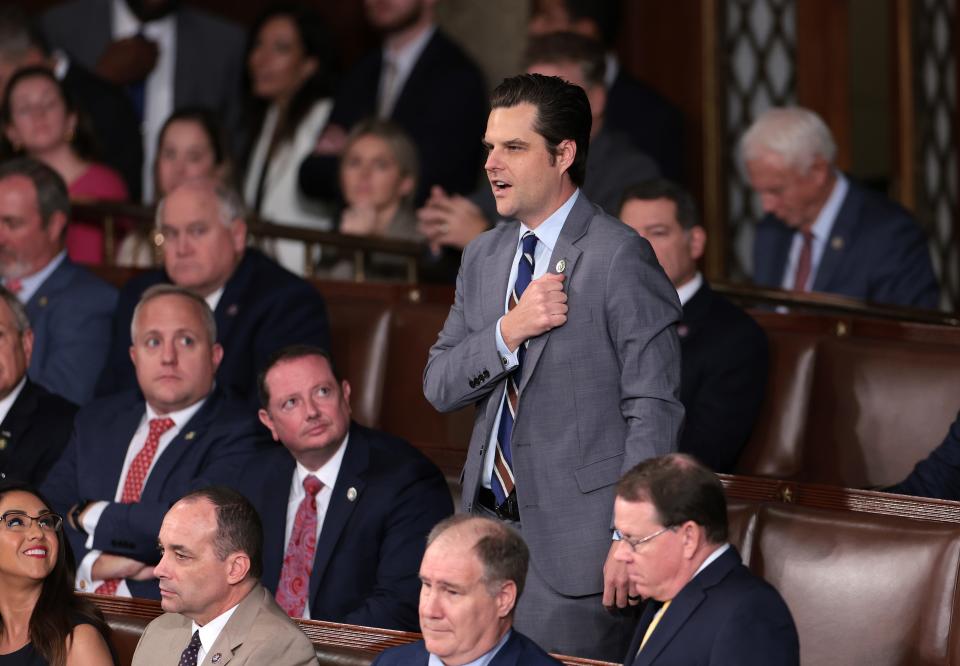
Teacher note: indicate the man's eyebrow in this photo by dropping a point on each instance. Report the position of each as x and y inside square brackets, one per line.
[516, 142]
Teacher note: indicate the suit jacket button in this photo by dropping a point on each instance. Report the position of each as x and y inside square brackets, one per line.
[486, 374]
[473, 383]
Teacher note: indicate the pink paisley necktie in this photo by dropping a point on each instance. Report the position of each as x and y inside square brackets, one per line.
[298, 558]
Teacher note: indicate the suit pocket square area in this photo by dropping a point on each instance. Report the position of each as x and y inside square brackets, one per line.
[599, 474]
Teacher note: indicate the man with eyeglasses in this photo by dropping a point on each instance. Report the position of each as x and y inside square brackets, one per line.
[704, 606]
[259, 306]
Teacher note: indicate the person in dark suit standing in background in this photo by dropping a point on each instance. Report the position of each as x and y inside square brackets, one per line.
[259, 306]
[34, 423]
[704, 606]
[823, 232]
[346, 509]
[134, 453]
[425, 83]
[653, 123]
[471, 577]
[725, 355]
[165, 53]
[69, 307]
[113, 121]
[563, 337]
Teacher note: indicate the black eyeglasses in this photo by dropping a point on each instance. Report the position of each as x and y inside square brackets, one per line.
[19, 521]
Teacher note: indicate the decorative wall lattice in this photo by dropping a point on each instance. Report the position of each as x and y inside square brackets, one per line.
[935, 104]
[759, 68]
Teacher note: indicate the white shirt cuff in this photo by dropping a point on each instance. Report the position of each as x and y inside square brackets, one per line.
[91, 516]
[85, 581]
[507, 358]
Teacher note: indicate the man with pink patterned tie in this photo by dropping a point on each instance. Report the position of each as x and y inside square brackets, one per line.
[135, 453]
[346, 509]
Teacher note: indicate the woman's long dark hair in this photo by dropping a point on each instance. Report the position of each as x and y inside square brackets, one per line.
[83, 142]
[209, 121]
[317, 44]
[58, 608]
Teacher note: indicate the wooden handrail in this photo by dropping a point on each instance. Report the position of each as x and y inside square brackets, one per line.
[830, 304]
[108, 212]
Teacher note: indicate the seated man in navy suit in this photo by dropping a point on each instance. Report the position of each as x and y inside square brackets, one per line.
[823, 232]
[69, 308]
[346, 509]
[135, 453]
[724, 351]
[259, 306]
[470, 580]
[34, 423]
[704, 606]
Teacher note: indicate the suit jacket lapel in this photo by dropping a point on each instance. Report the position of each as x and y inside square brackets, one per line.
[565, 249]
[190, 435]
[841, 236]
[684, 605]
[231, 300]
[237, 628]
[277, 483]
[495, 287]
[18, 419]
[115, 446]
[57, 280]
[355, 461]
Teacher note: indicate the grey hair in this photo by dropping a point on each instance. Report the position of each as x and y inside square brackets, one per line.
[502, 552]
[52, 194]
[229, 201]
[796, 134]
[157, 290]
[16, 307]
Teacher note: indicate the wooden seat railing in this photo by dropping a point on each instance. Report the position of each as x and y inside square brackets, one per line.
[110, 214]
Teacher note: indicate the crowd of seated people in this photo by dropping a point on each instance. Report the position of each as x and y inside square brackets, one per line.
[200, 407]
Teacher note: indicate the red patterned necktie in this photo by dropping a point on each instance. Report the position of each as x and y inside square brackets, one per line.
[298, 558]
[804, 263]
[133, 484]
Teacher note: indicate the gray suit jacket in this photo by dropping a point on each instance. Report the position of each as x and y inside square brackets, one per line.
[257, 633]
[598, 394]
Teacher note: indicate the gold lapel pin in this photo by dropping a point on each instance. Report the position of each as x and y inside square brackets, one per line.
[190, 435]
[3, 443]
[43, 301]
[836, 242]
[351, 494]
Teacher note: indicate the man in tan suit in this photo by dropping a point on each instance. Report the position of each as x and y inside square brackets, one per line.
[217, 611]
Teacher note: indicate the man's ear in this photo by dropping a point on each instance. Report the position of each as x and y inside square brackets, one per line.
[268, 422]
[506, 598]
[566, 153]
[697, 242]
[56, 226]
[238, 566]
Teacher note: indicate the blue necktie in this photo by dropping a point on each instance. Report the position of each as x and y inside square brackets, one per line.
[502, 482]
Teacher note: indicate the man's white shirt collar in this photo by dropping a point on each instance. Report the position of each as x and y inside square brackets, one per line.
[31, 283]
[329, 471]
[549, 230]
[179, 417]
[823, 225]
[11, 398]
[210, 632]
[483, 660]
[687, 290]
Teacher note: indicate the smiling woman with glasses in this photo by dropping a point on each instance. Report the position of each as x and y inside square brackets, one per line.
[41, 620]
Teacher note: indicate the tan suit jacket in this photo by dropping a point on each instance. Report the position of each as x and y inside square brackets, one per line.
[257, 633]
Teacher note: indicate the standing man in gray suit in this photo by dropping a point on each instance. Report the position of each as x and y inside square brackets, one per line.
[562, 334]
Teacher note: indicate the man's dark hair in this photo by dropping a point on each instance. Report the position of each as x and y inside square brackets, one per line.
[502, 552]
[661, 188]
[563, 112]
[680, 489]
[605, 13]
[52, 196]
[238, 525]
[290, 353]
[559, 48]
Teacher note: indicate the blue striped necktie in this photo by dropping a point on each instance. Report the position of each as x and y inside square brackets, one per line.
[502, 482]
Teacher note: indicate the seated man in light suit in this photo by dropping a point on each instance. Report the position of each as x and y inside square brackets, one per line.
[347, 509]
[704, 606]
[133, 454]
[470, 579]
[69, 308]
[34, 423]
[217, 611]
[723, 350]
[258, 305]
[823, 232]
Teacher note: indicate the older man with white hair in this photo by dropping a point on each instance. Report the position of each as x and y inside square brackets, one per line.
[823, 232]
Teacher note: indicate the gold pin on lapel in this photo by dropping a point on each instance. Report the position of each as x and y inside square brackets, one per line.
[43, 301]
[836, 242]
[3, 443]
[561, 265]
[190, 435]
[351, 494]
